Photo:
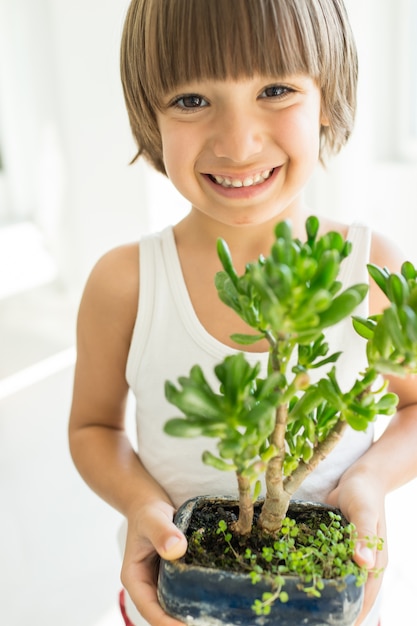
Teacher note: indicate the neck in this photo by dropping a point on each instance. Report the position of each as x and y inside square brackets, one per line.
[246, 242]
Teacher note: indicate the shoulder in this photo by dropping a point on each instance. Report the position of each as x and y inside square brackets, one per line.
[116, 274]
[106, 318]
[386, 253]
[111, 293]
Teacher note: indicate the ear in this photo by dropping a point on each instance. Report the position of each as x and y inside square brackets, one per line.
[324, 119]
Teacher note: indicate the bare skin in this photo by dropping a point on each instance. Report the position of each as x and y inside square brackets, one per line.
[99, 445]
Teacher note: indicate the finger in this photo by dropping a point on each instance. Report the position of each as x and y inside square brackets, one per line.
[371, 592]
[372, 589]
[150, 609]
[364, 554]
[140, 582]
[374, 582]
[368, 527]
[367, 550]
[168, 541]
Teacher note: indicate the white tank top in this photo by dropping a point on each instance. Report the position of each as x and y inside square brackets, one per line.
[168, 340]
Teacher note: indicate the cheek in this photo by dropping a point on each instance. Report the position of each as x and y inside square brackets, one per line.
[171, 154]
[177, 154]
[177, 149]
[301, 135]
[168, 141]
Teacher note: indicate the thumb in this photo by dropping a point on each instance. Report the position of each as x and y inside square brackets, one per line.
[365, 553]
[174, 546]
[167, 539]
[366, 523]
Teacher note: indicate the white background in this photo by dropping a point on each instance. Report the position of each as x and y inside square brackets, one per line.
[67, 194]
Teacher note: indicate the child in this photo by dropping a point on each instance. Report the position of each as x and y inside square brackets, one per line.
[235, 101]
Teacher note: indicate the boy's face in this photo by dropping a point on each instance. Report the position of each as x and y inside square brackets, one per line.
[242, 151]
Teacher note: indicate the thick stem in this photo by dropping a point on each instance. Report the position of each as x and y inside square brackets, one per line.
[276, 500]
[243, 526]
[292, 482]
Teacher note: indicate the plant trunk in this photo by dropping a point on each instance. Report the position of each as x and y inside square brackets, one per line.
[243, 525]
[274, 511]
[277, 500]
[279, 491]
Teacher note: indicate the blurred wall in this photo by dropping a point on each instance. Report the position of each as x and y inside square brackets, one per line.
[374, 177]
[64, 133]
[66, 142]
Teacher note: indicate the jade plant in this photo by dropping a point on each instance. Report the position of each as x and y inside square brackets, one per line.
[279, 422]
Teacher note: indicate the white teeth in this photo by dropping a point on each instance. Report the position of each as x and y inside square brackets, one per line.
[249, 181]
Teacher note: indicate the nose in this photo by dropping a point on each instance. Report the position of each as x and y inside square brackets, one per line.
[236, 135]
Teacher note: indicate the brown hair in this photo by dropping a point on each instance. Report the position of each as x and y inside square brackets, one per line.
[167, 43]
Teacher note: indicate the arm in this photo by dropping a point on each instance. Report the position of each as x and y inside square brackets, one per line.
[99, 445]
[361, 492]
[389, 463]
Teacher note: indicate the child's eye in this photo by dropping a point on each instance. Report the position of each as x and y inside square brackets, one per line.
[189, 102]
[276, 91]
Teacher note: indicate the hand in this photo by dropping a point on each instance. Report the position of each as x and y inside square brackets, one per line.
[361, 501]
[151, 532]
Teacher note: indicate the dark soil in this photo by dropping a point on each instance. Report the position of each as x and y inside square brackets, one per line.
[208, 548]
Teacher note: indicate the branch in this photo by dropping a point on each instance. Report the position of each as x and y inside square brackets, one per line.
[243, 525]
[293, 482]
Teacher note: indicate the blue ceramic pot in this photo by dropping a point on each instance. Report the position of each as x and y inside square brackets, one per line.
[208, 597]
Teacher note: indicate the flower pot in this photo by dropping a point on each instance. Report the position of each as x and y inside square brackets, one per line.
[201, 596]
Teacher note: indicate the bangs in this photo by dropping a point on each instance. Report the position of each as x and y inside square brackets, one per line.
[169, 43]
[188, 40]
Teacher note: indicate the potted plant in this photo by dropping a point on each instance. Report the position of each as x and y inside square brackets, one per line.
[280, 425]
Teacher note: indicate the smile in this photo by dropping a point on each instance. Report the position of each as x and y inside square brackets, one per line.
[248, 181]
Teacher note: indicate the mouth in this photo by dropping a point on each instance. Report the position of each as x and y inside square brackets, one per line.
[247, 181]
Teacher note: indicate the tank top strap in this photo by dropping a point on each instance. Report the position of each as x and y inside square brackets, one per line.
[150, 267]
[354, 267]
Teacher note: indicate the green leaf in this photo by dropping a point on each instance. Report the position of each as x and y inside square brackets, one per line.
[364, 327]
[327, 270]
[246, 340]
[257, 490]
[382, 340]
[408, 271]
[283, 230]
[387, 404]
[227, 291]
[357, 422]
[389, 368]
[231, 448]
[380, 276]
[179, 427]
[391, 320]
[410, 322]
[193, 400]
[343, 305]
[331, 392]
[397, 289]
[320, 301]
[311, 398]
[262, 412]
[331, 359]
[312, 228]
[225, 257]
[214, 461]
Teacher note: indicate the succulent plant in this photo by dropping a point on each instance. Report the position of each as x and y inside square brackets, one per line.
[282, 424]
